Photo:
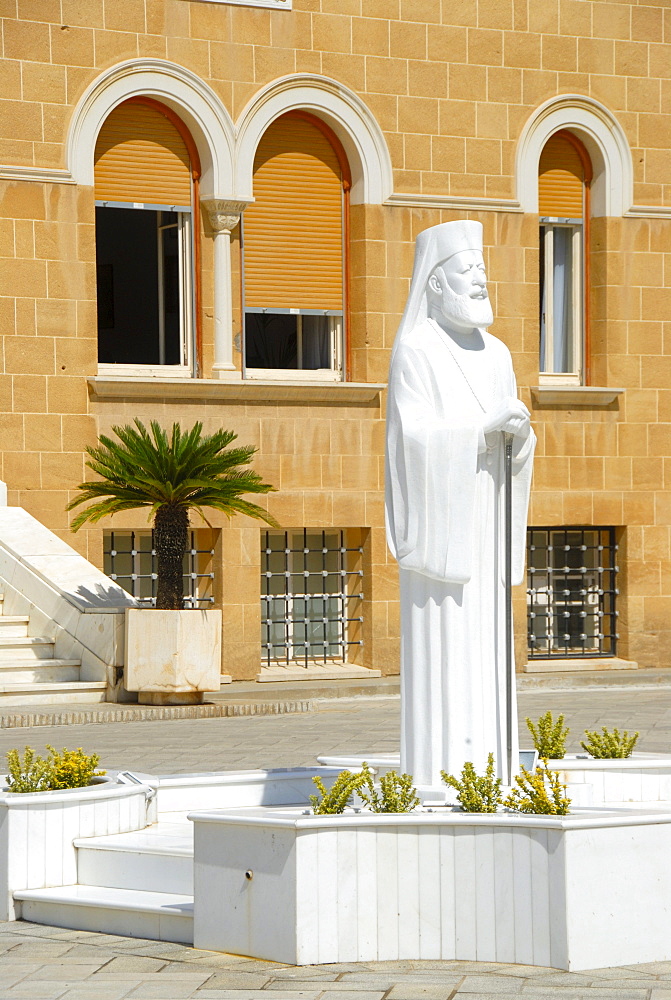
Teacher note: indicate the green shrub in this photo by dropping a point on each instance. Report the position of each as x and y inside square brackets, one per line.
[476, 793]
[68, 769]
[549, 736]
[335, 799]
[539, 792]
[608, 745]
[397, 793]
[32, 774]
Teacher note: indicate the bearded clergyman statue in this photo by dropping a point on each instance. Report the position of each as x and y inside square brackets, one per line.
[452, 397]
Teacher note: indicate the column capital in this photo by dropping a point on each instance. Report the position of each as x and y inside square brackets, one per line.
[223, 215]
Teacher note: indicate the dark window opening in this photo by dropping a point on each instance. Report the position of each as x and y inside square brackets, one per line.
[289, 340]
[139, 296]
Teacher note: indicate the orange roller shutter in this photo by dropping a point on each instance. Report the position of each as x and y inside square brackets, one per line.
[561, 180]
[141, 157]
[293, 232]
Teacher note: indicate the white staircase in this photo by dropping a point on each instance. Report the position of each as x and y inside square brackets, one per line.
[30, 674]
[137, 884]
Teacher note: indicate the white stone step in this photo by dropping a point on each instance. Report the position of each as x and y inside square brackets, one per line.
[39, 672]
[13, 625]
[158, 859]
[158, 916]
[53, 693]
[26, 648]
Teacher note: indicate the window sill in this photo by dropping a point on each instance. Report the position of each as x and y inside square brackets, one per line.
[221, 391]
[560, 664]
[573, 395]
[274, 4]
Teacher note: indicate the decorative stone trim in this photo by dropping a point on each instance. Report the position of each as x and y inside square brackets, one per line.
[573, 395]
[243, 391]
[223, 215]
[343, 110]
[604, 138]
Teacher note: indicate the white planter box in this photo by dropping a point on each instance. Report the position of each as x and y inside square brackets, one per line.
[37, 830]
[172, 653]
[577, 892]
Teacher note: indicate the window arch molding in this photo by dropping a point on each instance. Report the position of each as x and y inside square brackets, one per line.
[341, 109]
[603, 138]
[197, 106]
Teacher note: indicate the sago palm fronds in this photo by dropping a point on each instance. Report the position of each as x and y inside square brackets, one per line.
[171, 474]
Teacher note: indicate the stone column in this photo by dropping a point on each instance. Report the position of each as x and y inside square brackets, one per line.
[223, 217]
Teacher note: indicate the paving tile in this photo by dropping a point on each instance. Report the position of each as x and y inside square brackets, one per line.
[37, 991]
[353, 995]
[492, 984]
[257, 995]
[84, 992]
[170, 990]
[420, 991]
[56, 973]
[236, 981]
[133, 963]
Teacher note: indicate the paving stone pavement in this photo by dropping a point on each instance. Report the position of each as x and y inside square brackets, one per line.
[48, 963]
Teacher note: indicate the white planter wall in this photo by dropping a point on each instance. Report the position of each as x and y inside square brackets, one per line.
[573, 893]
[275, 787]
[37, 831]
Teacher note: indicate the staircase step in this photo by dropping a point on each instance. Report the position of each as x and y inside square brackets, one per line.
[39, 672]
[157, 859]
[53, 693]
[15, 626]
[157, 916]
[26, 648]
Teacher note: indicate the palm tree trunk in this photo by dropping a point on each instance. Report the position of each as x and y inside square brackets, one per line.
[171, 524]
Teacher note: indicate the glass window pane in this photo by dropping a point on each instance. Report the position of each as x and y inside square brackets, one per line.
[271, 340]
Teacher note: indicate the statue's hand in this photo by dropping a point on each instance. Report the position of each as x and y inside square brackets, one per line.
[510, 415]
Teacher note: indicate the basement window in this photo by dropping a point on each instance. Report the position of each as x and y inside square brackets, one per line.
[571, 592]
[311, 597]
[130, 560]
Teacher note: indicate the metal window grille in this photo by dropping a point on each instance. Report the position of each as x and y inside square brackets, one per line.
[311, 596]
[572, 592]
[130, 560]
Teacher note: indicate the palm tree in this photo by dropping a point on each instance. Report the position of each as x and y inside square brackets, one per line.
[170, 475]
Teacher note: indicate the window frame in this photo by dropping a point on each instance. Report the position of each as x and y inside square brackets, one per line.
[187, 283]
[549, 225]
[336, 333]
[583, 375]
[340, 346]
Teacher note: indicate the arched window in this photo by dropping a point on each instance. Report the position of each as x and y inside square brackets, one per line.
[146, 166]
[565, 173]
[294, 240]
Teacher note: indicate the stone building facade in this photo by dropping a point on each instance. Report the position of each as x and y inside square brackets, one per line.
[436, 110]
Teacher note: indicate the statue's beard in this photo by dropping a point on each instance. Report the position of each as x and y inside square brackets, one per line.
[463, 312]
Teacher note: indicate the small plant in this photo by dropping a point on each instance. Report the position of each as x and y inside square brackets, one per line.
[549, 736]
[335, 799]
[32, 774]
[68, 769]
[476, 793]
[72, 768]
[539, 792]
[397, 793]
[608, 745]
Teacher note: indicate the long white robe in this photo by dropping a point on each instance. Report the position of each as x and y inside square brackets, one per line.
[445, 526]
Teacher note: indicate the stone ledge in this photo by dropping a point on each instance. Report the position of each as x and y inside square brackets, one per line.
[147, 713]
[573, 395]
[557, 665]
[240, 391]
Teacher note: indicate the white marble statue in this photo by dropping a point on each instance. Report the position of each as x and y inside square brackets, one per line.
[452, 394]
